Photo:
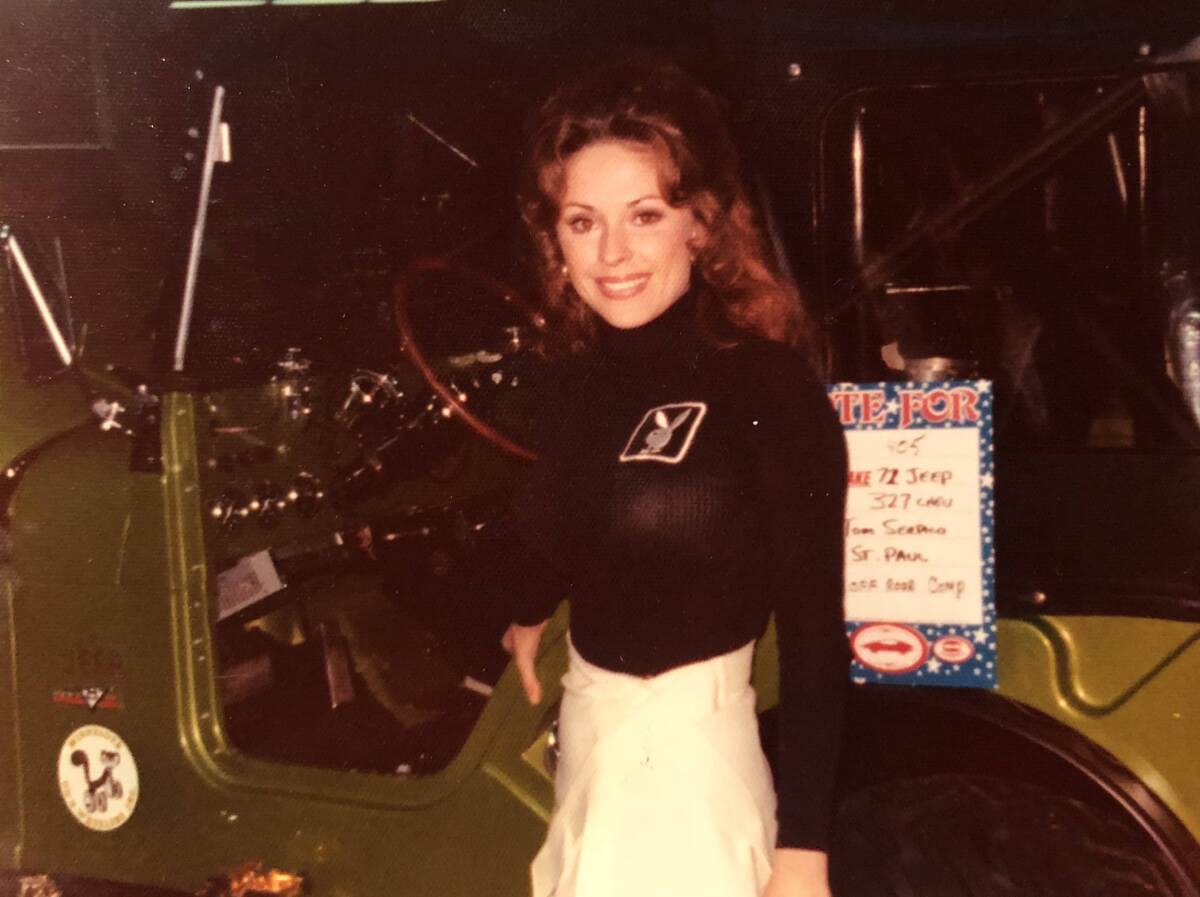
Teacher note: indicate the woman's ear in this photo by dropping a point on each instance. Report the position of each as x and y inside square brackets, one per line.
[698, 238]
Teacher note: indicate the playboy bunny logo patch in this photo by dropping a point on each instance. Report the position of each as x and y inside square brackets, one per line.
[665, 433]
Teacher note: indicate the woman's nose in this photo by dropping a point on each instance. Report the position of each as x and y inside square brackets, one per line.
[614, 246]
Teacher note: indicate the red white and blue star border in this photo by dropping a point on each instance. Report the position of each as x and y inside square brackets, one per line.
[955, 655]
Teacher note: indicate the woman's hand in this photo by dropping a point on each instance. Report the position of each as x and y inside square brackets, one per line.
[799, 873]
[522, 643]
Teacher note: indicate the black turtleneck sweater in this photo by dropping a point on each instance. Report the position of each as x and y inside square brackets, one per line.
[683, 493]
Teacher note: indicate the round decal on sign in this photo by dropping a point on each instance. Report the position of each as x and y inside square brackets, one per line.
[97, 778]
[889, 647]
[953, 649]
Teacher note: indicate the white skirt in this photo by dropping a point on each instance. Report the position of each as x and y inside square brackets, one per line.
[662, 787]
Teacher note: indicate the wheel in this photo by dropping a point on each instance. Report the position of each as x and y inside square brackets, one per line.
[453, 397]
[32, 884]
[972, 836]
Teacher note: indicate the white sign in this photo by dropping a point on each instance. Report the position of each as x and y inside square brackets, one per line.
[920, 605]
[912, 527]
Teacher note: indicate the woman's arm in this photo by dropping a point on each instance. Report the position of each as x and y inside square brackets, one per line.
[799, 873]
[522, 643]
[520, 569]
[799, 469]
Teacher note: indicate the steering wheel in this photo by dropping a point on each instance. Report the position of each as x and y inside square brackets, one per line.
[410, 346]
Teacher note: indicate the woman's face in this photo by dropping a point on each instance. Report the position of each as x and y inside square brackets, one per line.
[628, 251]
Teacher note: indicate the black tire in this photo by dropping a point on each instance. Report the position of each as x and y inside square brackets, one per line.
[17, 884]
[973, 836]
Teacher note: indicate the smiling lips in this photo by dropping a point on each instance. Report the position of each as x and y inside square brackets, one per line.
[622, 287]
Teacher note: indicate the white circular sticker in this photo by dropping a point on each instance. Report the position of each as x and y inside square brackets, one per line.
[98, 778]
[889, 647]
[953, 649]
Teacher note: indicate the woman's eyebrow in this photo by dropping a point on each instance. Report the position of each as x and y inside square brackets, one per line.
[630, 204]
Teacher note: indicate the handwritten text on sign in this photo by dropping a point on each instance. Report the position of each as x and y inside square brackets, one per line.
[919, 570]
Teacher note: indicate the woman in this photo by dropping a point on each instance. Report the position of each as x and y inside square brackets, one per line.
[691, 482]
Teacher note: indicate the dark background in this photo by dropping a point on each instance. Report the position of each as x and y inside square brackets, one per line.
[336, 182]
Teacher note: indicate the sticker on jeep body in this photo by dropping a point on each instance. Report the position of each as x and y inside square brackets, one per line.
[98, 778]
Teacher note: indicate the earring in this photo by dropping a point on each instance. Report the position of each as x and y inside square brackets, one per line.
[566, 272]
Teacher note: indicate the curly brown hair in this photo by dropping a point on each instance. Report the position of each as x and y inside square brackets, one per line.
[657, 105]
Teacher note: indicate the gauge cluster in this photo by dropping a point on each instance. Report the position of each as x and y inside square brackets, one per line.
[306, 452]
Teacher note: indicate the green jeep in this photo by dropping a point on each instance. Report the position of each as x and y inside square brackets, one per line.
[265, 374]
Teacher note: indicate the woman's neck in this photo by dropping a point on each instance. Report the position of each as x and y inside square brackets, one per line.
[672, 331]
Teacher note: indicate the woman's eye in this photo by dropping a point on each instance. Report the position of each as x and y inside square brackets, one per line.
[648, 216]
[579, 225]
